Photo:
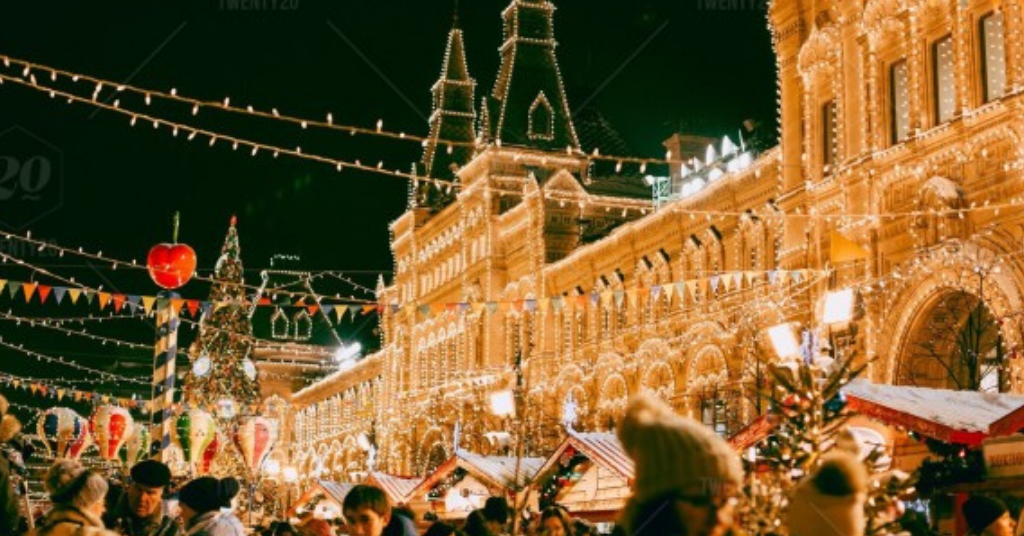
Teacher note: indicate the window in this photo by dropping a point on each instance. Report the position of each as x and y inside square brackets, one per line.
[993, 56]
[944, 79]
[828, 131]
[714, 413]
[900, 101]
[542, 119]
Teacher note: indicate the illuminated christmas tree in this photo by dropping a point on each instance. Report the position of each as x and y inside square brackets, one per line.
[222, 378]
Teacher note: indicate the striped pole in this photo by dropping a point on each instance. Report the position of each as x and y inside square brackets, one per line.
[165, 351]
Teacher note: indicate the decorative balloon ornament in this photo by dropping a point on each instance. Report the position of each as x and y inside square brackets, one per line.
[206, 463]
[171, 265]
[194, 431]
[136, 448]
[65, 433]
[110, 426]
[255, 437]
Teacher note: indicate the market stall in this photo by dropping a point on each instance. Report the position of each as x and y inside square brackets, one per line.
[464, 482]
[396, 487]
[589, 474]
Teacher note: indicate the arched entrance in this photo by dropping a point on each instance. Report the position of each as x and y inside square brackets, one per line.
[954, 342]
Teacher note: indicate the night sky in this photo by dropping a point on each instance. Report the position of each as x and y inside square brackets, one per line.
[649, 66]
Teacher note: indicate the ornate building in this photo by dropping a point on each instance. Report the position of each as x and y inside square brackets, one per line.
[901, 125]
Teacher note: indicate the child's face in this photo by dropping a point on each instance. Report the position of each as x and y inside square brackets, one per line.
[366, 522]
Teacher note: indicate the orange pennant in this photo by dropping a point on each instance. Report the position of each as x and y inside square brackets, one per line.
[29, 289]
[176, 304]
[104, 299]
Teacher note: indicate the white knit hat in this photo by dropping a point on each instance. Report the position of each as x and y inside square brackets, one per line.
[671, 452]
[830, 501]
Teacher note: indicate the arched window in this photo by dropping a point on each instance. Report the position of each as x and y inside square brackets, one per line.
[542, 119]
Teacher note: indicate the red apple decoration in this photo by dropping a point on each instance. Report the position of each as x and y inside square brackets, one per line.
[171, 265]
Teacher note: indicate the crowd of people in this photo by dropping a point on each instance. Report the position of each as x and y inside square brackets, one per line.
[687, 482]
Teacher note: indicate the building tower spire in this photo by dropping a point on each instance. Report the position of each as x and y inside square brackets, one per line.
[450, 144]
[528, 106]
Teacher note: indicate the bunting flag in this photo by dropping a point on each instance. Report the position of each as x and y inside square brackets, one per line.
[13, 287]
[74, 293]
[104, 299]
[147, 303]
[714, 283]
[193, 307]
[3, 283]
[58, 293]
[44, 292]
[118, 302]
[619, 297]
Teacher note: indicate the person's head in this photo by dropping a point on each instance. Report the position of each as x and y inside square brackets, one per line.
[988, 516]
[440, 529]
[206, 494]
[476, 524]
[72, 485]
[496, 514]
[830, 501]
[555, 522]
[146, 491]
[687, 478]
[367, 510]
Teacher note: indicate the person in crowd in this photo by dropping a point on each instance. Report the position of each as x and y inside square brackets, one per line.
[476, 524]
[581, 528]
[554, 521]
[368, 512]
[441, 528]
[10, 519]
[830, 501]
[138, 511]
[280, 528]
[205, 505]
[77, 495]
[687, 478]
[310, 525]
[496, 512]
[987, 516]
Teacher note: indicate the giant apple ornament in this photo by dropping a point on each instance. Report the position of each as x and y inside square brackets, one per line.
[171, 265]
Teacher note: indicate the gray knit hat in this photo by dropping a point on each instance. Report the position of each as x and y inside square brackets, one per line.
[69, 483]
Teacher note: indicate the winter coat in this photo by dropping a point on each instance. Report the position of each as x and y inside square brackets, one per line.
[215, 523]
[63, 520]
[9, 513]
[123, 520]
[400, 525]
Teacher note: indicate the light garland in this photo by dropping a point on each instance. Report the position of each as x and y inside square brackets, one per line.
[61, 361]
[32, 322]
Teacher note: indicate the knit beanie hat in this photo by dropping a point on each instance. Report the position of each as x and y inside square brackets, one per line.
[981, 511]
[830, 501]
[71, 484]
[674, 453]
[206, 494]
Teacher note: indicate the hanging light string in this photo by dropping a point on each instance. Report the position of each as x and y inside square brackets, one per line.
[61, 361]
[115, 263]
[340, 276]
[261, 343]
[254, 147]
[147, 95]
[32, 322]
[297, 152]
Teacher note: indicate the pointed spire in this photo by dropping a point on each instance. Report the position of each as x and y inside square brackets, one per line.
[229, 272]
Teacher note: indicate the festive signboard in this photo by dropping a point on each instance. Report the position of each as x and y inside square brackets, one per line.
[1004, 457]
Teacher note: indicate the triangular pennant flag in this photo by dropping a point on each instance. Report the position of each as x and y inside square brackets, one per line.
[90, 295]
[207, 308]
[477, 307]
[12, 288]
[750, 276]
[353, 310]
[492, 307]
[395, 308]
[691, 287]
[264, 301]
[30, 289]
[340, 310]
[714, 283]
[530, 305]
[193, 307]
[58, 293]
[504, 306]
[543, 303]
[463, 307]
[606, 298]
[60, 394]
[631, 294]
[681, 292]
[147, 303]
[669, 290]
[619, 296]
[328, 309]
[425, 310]
[556, 303]
[797, 276]
[450, 307]
[133, 302]
[3, 283]
[44, 292]
[176, 305]
[773, 276]
[301, 302]
[312, 309]
[74, 293]
[437, 308]
[655, 292]
[118, 302]
[726, 281]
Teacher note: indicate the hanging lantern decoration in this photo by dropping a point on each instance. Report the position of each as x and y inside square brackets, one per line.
[171, 265]
[194, 430]
[136, 448]
[210, 453]
[255, 437]
[110, 426]
[65, 433]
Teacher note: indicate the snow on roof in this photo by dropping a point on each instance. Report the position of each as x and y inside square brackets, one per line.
[965, 417]
[398, 488]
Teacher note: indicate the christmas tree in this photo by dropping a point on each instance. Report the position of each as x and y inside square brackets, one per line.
[811, 414]
[222, 378]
